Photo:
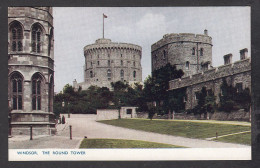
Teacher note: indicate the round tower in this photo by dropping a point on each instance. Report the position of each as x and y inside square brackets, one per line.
[31, 69]
[107, 61]
[190, 52]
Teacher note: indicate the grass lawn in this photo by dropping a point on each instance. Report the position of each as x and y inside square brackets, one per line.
[244, 138]
[178, 128]
[121, 143]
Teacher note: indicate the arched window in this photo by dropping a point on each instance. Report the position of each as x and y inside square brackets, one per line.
[134, 74]
[108, 63]
[134, 63]
[109, 74]
[36, 91]
[51, 93]
[187, 65]
[16, 36]
[164, 54]
[201, 52]
[122, 74]
[193, 51]
[17, 91]
[91, 74]
[50, 40]
[36, 38]
[122, 63]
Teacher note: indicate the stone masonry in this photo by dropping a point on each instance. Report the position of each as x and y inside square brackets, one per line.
[189, 52]
[236, 74]
[31, 69]
[107, 61]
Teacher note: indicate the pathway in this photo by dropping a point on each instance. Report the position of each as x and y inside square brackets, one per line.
[85, 125]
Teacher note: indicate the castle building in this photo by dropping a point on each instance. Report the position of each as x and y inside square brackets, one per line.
[237, 74]
[189, 52]
[31, 70]
[107, 61]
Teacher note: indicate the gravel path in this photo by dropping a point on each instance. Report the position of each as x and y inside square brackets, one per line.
[85, 125]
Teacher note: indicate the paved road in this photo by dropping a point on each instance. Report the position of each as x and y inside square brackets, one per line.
[85, 125]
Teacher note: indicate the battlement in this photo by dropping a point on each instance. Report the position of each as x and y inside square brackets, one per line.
[212, 74]
[108, 44]
[182, 37]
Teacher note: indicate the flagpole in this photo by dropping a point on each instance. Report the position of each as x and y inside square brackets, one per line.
[103, 25]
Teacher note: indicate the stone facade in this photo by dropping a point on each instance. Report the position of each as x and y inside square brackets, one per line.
[110, 114]
[189, 52]
[236, 74]
[107, 61]
[31, 69]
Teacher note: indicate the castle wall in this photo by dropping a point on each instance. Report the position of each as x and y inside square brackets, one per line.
[28, 63]
[177, 49]
[238, 72]
[122, 57]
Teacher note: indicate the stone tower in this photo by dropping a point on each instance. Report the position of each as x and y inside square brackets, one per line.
[31, 70]
[189, 52]
[107, 61]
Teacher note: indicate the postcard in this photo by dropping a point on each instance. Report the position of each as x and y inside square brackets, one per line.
[129, 83]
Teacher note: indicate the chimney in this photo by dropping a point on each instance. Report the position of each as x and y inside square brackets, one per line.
[206, 32]
[227, 59]
[243, 53]
[74, 83]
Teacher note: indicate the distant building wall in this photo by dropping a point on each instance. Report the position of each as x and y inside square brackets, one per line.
[189, 52]
[235, 73]
[107, 61]
[109, 114]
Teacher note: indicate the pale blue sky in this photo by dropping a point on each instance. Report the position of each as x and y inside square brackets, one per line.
[76, 27]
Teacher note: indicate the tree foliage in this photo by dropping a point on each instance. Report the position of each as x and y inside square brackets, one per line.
[156, 88]
[231, 99]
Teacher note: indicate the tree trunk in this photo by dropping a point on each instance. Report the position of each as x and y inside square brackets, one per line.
[169, 115]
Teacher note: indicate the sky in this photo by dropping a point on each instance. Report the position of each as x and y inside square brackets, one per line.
[76, 27]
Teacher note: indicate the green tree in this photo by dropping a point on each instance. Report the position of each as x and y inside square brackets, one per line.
[227, 97]
[206, 102]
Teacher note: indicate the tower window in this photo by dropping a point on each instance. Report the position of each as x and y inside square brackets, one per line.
[134, 63]
[109, 74]
[91, 74]
[36, 38]
[36, 92]
[193, 51]
[98, 62]
[122, 75]
[164, 54]
[134, 74]
[122, 63]
[16, 37]
[201, 52]
[108, 63]
[187, 65]
[17, 91]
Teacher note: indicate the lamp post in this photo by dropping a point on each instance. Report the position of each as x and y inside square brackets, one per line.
[119, 115]
[9, 117]
[68, 110]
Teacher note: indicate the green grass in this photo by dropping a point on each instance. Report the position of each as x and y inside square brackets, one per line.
[244, 138]
[178, 128]
[121, 143]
